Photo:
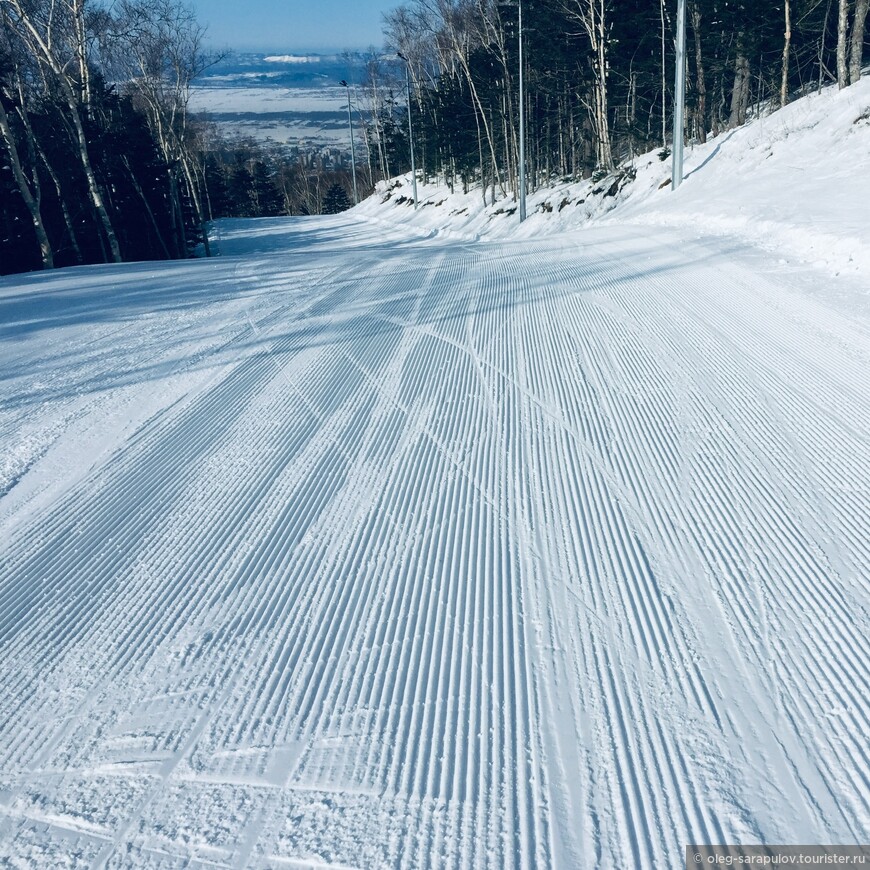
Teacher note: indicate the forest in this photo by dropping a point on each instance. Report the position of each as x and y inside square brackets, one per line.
[101, 159]
[599, 77]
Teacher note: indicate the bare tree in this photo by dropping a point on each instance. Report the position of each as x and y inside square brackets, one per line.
[592, 15]
[48, 30]
[20, 103]
[376, 82]
[460, 18]
[156, 47]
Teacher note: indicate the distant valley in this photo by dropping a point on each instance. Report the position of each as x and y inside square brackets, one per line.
[290, 99]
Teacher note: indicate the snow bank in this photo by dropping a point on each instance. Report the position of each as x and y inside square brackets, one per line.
[796, 182]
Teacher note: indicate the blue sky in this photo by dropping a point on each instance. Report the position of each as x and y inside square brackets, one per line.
[293, 25]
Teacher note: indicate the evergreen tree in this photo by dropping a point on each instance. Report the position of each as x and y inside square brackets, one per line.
[336, 200]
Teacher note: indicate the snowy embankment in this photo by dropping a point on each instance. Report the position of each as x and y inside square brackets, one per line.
[364, 545]
[796, 183]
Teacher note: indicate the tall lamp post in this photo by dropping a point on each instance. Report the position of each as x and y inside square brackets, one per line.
[410, 130]
[679, 98]
[522, 154]
[344, 84]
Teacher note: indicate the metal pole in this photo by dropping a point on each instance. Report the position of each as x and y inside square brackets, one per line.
[352, 149]
[410, 130]
[679, 98]
[522, 123]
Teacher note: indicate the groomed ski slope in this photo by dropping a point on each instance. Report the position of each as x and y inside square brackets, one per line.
[357, 547]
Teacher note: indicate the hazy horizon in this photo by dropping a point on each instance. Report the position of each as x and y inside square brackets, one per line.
[266, 49]
[259, 25]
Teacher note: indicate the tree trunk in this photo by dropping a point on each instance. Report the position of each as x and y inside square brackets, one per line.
[605, 153]
[93, 187]
[508, 153]
[478, 108]
[786, 49]
[39, 153]
[78, 12]
[193, 187]
[511, 145]
[822, 68]
[664, 81]
[856, 50]
[842, 32]
[64, 208]
[480, 162]
[740, 93]
[176, 216]
[700, 81]
[26, 194]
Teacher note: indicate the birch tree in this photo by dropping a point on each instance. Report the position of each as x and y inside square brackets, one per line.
[157, 46]
[48, 29]
[459, 31]
[842, 43]
[28, 189]
[786, 50]
[592, 15]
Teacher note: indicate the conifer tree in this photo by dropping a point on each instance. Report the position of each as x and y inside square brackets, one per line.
[336, 200]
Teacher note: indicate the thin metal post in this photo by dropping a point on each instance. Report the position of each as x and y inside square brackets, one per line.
[522, 155]
[410, 129]
[679, 98]
[352, 148]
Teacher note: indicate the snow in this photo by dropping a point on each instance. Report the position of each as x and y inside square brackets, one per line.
[795, 183]
[290, 115]
[428, 540]
[258, 100]
[293, 99]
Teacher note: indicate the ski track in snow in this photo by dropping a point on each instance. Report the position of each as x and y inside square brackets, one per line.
[438, 554]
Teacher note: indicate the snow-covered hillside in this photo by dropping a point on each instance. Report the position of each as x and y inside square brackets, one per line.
[373, 543]
[796, 182]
